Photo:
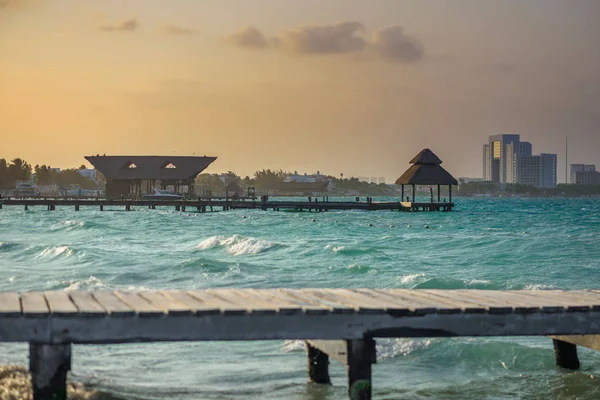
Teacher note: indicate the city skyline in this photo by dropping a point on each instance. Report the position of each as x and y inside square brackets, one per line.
[303, 87]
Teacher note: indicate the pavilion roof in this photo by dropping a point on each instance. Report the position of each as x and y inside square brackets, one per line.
[150, 167]
[426, 170]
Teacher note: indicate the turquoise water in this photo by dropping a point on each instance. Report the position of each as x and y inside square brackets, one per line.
[485, 244]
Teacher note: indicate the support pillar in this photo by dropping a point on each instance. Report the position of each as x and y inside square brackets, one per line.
[101, 207]
[26, 207]
[356, 354]
[128, 207]
[414, 193]
[565, 354]
[183, 208]
[177, 208]
[439, 194]
[49, 364]
[318, 365]
[77, 207]
[450, 193]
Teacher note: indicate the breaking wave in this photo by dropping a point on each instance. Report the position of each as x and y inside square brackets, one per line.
[237, 245]
[90, 283]
[56, 251]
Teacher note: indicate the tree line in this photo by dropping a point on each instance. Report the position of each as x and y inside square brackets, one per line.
[20, 170]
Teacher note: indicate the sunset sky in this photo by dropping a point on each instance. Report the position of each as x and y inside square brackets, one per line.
[339, 86]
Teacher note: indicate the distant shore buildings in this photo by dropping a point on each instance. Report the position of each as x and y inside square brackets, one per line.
[506, 159]
[582, 174]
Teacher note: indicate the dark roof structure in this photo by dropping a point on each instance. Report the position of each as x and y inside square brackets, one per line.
[426, 170]
[168, 168]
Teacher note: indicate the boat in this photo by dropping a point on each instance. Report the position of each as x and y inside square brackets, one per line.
[25, 189]
[162, 195]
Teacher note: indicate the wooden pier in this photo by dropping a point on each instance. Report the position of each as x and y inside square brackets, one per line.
[339, 323]
[204, 205]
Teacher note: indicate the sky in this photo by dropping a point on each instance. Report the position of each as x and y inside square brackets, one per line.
[337, 86]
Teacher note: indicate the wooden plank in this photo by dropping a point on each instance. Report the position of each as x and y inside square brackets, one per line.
[364, 304]
[252, 306]
[86, 304]
[304, 295]
[34, 304]
[10, 305]
[226, 307]
[523, 298]
[438, 296]
[441, 307]
[60, 304]
[500, 298]
[571, 301]
[415, 306]
[280, 307]
[168, 305]
[471, 303]
[198, 307]
[493, 305]
[142, 307]
[112, 304]
[284, 300]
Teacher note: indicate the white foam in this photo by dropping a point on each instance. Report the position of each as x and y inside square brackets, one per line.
[538, 286]
[56, 251]
[236, 245]
[478, 282]
[335, 249]
[293, 345]
[390, 348]
[90, 283]
[410, 278]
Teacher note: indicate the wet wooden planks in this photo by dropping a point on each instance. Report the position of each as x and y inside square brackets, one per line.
[396, 302]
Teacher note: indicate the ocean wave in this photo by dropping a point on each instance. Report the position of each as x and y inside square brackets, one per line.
[6, 246]
[90, 283]
[56, 251]
[410, 278]
[391, 348]
[538, 286]
[237, 245]
[335, 249]
[385, 348]
[452, 283]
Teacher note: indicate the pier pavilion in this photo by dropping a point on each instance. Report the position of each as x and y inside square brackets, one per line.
[128, 176]
[426, 170]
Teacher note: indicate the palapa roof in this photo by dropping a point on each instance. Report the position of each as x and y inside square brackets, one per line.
[150, 167]
[426, 170]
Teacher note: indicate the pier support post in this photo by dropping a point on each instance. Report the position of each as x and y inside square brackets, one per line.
[101, 207]
[318, 365]
[128, 207]
[26, 207]
[356, 354]
[565, 354]
[177, 208]
[49, 364]
[77, 207]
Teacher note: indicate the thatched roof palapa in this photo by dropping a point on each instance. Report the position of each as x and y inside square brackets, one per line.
[426, 170]
[150, 167]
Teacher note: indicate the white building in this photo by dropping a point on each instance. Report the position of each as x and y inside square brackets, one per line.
[88, 173]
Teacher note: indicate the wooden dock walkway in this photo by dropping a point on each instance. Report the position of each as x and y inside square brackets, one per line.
[204, 205]
[339, 323]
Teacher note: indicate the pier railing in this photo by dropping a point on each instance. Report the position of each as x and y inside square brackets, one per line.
[339, 323]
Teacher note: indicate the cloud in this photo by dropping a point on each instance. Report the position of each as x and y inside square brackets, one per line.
[348, 37]
[128, 25]
[344, 37]
[249, 37]
[176, 30]
[393, 44]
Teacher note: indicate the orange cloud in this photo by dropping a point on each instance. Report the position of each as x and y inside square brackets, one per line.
[128, 25]
[390, 43]
[250, 37]
[176, 30]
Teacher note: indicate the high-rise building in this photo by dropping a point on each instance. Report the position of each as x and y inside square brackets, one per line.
[575, 168]
[582, 174]
[513, 151]
[495, 158]
[508, 160]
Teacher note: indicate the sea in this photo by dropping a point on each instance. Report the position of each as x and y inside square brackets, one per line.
[485, 243]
